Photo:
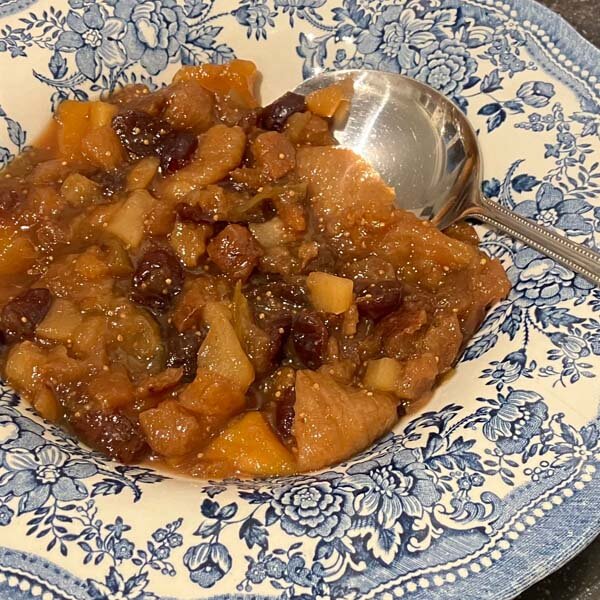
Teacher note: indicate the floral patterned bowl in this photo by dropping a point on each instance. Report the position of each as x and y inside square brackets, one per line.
[490, 486]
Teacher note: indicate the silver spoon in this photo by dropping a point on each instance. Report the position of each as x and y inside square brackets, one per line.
[425, 147]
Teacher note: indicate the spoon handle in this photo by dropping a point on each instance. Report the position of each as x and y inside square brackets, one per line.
[576, 257]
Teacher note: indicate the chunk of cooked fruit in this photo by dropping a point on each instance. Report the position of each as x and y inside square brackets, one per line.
[78, 190]
[274, 116]
[239, 76]
[176, 151]
[101, 113]
[250, 447]
[61, 322]
[47, 404]
[73, 120]
[383, 374]
[127, 223]
[325, 102]
[309, 338]
[330, 293]
[274, 154]
[17, 252]
[196, 294]
[234, 251]
[111, 389]
[140, 133]
[102, 148]
[189, 106]
[332, 422]
[142, 173]
[171, 430]
[157, 279]
[183, 352]
[112, 433]
[23, 366]
[221, 150]
[21, 315]
[221, 352]
[345, 191]
[188, 240]
[377, 300]
[213, 399]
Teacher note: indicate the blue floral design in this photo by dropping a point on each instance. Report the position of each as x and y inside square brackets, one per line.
[518, 418]
[318, 509]
[94, 37]
[536, 93]
[6, 515]
[256, 16]
[539, 281]
[392, 487]
[447, 67]
[394, 40]
[551, 209]
[156, 31]
[508, 370]
[35, 476]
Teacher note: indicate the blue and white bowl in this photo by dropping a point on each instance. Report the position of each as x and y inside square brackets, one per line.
[487, 488]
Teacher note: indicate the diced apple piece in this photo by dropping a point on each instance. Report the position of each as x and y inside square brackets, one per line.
[213, 399]
[171, 430]
[251, 447]
[327, 101]
[17, 252]
[189, 242]
[89, 338]
[128, 221]
[274, 154]
[407, 379]
[221, 351]
[101, 113]
[46, 403]
[23, 366]
[73, 119]
[78, 190]
[142, 173]
[271, 233]
[329, 293]
[60, 323]
[102, 148]
[383, 374]
[332, 421]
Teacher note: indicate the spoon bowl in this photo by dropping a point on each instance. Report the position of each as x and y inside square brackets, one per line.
[426, 149]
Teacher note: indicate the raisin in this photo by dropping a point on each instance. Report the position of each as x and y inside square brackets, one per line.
[176, 150]
[278, 328]
[193, 213]
[24, 313]
[140, 133]
[309, 337]
[183, 352]
[234, 251]
[111, 182]
[285, 413]
[10, 199]
[274, 116]
[111, 433]
[379, 299]
[157, 279]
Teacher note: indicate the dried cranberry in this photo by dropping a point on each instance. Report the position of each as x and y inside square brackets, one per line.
[274, 116]
[157, 279]
[193, 213]
[140, 133]
[309, 337]
[379, 299]
[285, 413]
[22, 314]
[112, 433]
[234, 251]
[176, 150]
[183, 352]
